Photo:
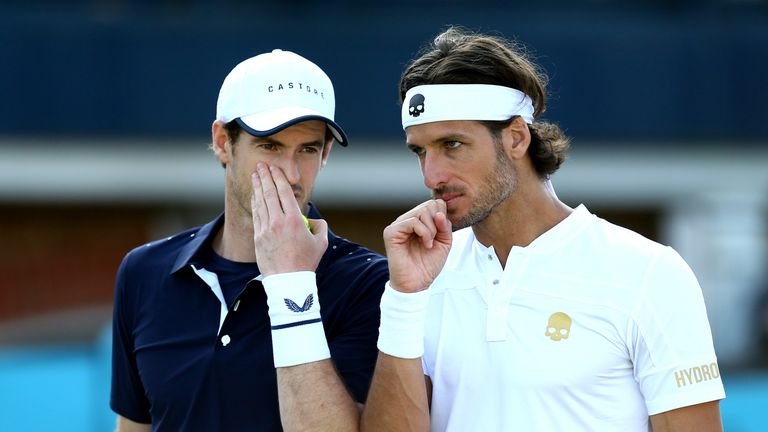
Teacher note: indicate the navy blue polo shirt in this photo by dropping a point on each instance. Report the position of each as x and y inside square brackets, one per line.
[169, 364]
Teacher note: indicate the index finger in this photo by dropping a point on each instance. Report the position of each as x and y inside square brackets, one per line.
[268, 191]
[284, 191]
[430, 207]
[259, 211]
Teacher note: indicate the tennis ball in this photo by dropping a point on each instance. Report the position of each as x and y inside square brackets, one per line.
[306, 221]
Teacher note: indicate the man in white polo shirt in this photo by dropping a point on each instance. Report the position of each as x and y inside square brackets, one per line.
[520, 312]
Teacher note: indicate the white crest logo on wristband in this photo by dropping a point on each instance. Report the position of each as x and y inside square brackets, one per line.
[440, 102]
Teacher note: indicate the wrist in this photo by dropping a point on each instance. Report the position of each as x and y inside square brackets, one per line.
[298, 336]
[403, 315]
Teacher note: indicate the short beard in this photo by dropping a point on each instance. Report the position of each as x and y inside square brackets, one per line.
[497, 186]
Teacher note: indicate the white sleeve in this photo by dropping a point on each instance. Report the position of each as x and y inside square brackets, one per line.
[674, 359]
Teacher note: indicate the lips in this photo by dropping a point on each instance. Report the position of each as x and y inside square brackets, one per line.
[450, 198]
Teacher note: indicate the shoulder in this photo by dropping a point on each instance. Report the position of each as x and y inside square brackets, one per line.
[348, 258]
[164, 247]
[161, 252]
[349, 266]
[632, 260]
[612, 243]
[143, 271]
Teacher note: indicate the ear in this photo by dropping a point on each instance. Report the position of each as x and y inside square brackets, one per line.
[517, 138]
[219, 140]
[326, 151]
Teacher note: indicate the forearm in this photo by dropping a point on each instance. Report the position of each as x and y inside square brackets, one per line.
[311, 394]
[313, 398]
[125, 425]
[397, 400]
[704, 417]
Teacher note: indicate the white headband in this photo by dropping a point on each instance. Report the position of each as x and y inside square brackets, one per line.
[440, 102]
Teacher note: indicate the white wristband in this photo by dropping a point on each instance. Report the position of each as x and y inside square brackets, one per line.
[401, 333]
[294, 312]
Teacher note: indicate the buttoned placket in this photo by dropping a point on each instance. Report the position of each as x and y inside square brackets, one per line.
[500, 285]
[212, 280]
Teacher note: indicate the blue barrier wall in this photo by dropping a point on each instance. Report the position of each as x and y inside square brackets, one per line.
[63, 388]
[66, 389]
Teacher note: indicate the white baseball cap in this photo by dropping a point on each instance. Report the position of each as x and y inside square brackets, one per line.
[272, 91]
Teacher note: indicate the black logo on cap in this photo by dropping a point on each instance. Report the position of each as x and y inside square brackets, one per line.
[416, 105]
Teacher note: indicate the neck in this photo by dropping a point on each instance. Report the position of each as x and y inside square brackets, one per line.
[234, 241]
[529, 212]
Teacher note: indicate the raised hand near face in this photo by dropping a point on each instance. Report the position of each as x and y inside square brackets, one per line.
[281, 239]
[417, 245]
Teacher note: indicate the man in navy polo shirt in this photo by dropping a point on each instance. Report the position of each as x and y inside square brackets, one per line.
[218, 328]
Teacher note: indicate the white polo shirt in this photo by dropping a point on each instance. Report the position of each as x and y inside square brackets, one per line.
[591, 327]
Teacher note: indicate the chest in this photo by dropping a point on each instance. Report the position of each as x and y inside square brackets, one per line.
[526, 339]
[182, 356]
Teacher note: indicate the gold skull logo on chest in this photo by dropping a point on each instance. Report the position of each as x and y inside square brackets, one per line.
[558, 326]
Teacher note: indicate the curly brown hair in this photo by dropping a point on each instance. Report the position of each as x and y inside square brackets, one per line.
[457, 56]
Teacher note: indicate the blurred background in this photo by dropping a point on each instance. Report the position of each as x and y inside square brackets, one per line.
[105, 114]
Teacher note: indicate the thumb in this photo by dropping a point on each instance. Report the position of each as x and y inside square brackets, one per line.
[443, 225]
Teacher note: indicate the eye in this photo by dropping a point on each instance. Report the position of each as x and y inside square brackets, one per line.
[453, 144]
[310, 149]
[267, 146]
[416, 150]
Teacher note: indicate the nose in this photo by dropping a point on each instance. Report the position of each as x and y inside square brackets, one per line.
[433, 168]
[290, 168]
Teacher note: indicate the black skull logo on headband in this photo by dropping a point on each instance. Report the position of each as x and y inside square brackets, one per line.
[416, 105]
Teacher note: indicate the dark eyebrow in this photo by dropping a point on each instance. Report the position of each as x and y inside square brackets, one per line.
[453, 136]
[270, 140]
